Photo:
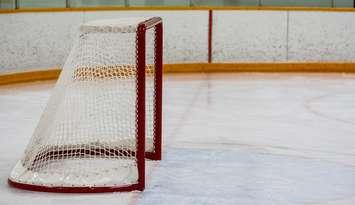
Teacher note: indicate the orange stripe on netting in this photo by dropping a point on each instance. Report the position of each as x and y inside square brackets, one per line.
[109, 72]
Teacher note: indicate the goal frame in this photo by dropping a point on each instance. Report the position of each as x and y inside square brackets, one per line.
[141, 154]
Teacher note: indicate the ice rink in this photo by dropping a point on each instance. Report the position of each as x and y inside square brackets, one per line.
[246, 139]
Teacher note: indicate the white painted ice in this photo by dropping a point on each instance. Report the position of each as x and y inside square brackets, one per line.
[250, 139]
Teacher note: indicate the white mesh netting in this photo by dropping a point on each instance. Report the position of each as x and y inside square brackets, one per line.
[87, 133]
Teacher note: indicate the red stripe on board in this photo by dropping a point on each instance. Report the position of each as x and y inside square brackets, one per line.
[210, 25]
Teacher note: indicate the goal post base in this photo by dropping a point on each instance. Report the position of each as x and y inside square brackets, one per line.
[31, 187]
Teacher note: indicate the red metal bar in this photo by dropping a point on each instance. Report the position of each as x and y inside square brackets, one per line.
[210, 25]
[93, 189]
[158, 90]
[140, 106]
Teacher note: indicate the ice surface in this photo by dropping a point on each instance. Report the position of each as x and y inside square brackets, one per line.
[259, 139]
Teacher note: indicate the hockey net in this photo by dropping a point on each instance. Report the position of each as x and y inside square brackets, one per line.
[89, 137]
